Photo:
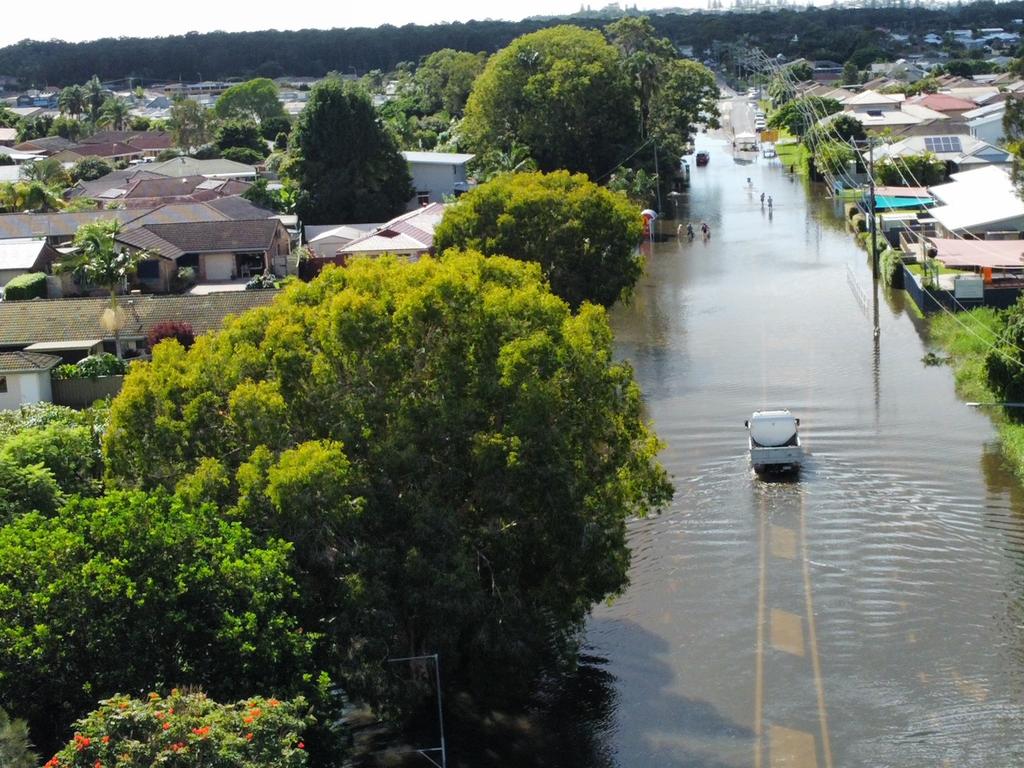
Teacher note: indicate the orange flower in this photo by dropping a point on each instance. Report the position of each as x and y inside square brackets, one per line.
[106, 739]
[167, 726]
[248, 736]
[97, 764]
[273, 702]
[255, 712]
[53, 762]
[154, 696]
[302, 745]
[159, 715]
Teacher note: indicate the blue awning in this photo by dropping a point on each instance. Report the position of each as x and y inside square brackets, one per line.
[886, 202]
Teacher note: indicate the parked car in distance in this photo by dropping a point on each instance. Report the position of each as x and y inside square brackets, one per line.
[703, 158]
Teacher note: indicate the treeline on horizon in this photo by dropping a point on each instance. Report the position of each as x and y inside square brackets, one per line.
[825, 33]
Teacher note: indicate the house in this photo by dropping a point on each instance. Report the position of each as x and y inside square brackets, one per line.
[947, 104]
[25, 378]
[978, 202]
[216, 250]
[138, 188]
[986, 123]
[932, 39]
[22, 255]
[958, 152]
[326, 240]
[148, 143]
[76, 322]
[409, 236]
[436, 175]
[826, 71]
[8, 137]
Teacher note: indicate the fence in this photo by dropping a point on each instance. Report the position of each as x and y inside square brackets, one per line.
[81, 393]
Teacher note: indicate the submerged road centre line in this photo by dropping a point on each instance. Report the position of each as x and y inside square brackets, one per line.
[819, 682]
[759, 648]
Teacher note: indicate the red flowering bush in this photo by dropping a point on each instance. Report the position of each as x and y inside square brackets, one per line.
[188, 729]
[171, 329]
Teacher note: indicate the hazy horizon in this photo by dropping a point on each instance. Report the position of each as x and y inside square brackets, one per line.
[74, 22]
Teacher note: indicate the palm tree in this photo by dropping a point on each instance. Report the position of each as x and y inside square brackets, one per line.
[115, 113]
[15, 746]
[99, 259]
[46, 170]
[33, 196]
[72, 100]
[94, 98]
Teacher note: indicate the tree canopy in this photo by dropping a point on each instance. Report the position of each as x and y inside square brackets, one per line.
[583, 236]
[122, 592]
[444, 80]
[799, 115]
[562, 93]
[417, 432]
[345, 164]
[254, 100]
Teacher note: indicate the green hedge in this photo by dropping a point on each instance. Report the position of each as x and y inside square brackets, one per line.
[28, 286]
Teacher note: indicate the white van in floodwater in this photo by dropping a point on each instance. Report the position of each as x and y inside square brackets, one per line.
[774, 440]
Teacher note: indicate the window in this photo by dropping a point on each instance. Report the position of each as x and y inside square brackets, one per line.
[149, 269]
[423, 198]
[3, 384]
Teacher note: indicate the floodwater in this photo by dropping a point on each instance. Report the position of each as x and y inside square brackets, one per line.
[869, 612]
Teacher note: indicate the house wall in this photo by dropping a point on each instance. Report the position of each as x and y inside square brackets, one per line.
[24, 389]
[6, 275]
[435, 178]
[990, 131]
[206, 258]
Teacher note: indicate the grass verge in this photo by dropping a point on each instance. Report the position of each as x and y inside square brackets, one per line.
[966, 338]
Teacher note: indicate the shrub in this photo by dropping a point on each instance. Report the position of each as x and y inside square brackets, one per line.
[261, 283]
[91, 367]
[189, 729]
[71, 453]
[889, 265]
[207, 152]
[28, 286]
[171, 329]
[243, 155]
[90, 169]
[26, 488]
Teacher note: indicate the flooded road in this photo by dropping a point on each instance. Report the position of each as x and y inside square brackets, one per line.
[871, 613]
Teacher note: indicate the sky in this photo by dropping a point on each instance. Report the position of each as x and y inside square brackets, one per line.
[74, 20]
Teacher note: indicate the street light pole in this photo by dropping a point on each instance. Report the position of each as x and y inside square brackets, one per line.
[440, 710]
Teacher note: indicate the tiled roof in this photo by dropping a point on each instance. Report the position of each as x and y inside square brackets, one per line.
[138, 139]
[163, 186]
[189, 166]
[26, 322]
[116, 149]
[54, 224]
[943, 102]
[12, 362]
[410, 231]
[174, 240]
[238, 208]
[47, 143]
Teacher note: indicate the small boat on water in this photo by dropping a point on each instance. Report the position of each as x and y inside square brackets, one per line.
[774, 441]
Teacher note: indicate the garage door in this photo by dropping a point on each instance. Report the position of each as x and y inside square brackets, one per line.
[219, 266]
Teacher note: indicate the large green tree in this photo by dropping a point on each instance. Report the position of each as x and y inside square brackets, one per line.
[797, 116]
[583, 236]
[254, 100]
[189, 123]
[452, 451]
[444, 80]
[133, 589]
[344, 162]
[561, 92]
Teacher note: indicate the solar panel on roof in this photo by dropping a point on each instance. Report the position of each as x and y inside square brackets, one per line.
[943, 144]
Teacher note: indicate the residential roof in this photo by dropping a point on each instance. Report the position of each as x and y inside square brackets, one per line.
[319, 233]
[26, 362]
[976, 198]
[988, 111]
[138, 139]
[20, 253]
[115, 149]
[63, 346]
[437, 158]
[26, 322]
[189, 166]
[46, 144]
[412, 231]
[998, 254]
[885, 191]
[174, 240]
[943, 102]
[8, 134]
[30, 225]
[955, 148]
[874, 97]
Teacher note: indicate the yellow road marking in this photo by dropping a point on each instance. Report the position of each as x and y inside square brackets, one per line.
[819, 683]
[791, 749]
[783, 542]
[787, 632]
[759, 650]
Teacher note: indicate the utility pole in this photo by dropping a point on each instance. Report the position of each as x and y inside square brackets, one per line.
[657, 177]
[871, 208]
